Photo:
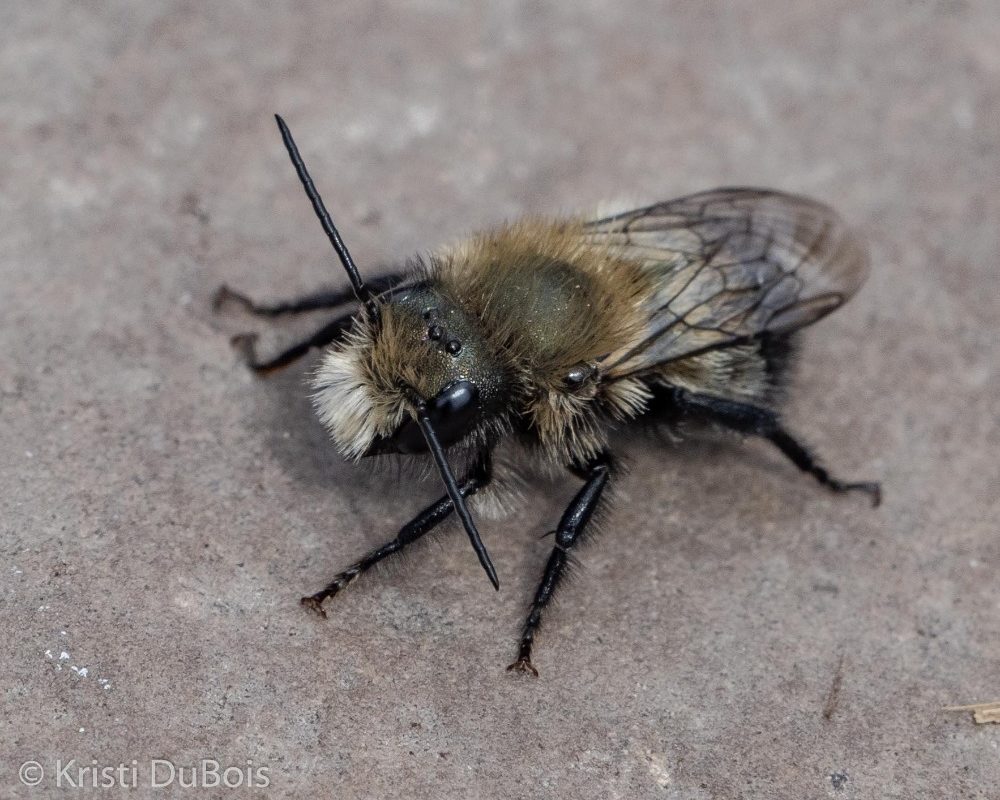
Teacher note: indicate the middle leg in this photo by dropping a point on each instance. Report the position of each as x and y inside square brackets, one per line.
[571, 527]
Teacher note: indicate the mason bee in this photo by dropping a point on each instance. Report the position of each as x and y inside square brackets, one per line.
[555, 334]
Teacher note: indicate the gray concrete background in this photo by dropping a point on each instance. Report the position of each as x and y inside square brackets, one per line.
[163, 512]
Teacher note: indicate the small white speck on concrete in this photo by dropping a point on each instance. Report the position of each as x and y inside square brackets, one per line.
[657, 765]
[64, 656]
[70, 196]
[963, 113]
[28, 454]
[423, 118]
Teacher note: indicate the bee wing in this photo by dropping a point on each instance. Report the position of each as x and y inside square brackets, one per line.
[728, 265]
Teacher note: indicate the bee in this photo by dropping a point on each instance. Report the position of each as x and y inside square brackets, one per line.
[558, 335]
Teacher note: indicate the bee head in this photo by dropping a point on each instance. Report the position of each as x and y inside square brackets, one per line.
[401, 372]
[422, 353]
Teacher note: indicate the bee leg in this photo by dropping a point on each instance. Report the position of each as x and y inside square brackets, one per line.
[571, 526]
[478, 477]
[746, 418]
[312, 302]
[246, 344]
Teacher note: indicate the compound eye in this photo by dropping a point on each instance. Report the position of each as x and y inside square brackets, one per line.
[452, 412]
[579, 375]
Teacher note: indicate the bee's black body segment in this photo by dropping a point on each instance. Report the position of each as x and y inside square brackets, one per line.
[779, 352]
[557, 333]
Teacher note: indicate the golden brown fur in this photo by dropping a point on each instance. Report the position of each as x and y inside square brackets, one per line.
[553, 301]
[543, 300]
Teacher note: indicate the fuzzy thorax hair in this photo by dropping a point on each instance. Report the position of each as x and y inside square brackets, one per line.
[528, 302]
[557, 301]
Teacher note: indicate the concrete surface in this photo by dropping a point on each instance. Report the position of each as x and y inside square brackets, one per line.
[163, 512]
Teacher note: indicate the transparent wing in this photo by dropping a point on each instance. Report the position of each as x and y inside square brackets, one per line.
[728, 265]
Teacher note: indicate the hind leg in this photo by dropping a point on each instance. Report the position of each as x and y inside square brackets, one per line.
[747, 418]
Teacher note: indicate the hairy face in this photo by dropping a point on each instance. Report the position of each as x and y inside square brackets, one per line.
[423, 346]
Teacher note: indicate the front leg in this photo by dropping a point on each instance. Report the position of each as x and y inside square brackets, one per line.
[331, 298]
[329, 333]
[478, 478]
[571, 527]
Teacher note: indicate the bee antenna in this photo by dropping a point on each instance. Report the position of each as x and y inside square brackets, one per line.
[361, 290]
[456, 496]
